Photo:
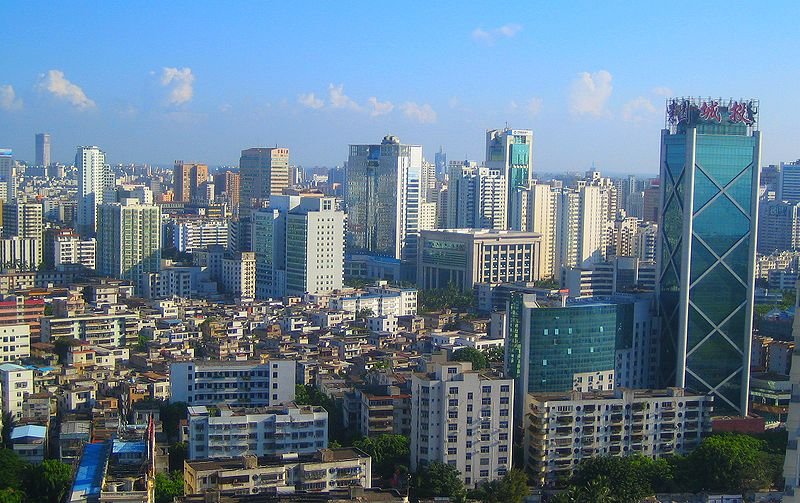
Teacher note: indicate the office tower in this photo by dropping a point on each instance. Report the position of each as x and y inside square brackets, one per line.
[476, 197]
[710, 155]
[263, 172]
[511, 152]
[226, 187]
[188, 177]
[440, 160]
[43, 149]
[580, 227]
[8, 175]
[382, 198]
[427, 182]
[94, 176]
[462, 417]
[778, 226]
[651, 201]
[314, 247]
[552, 346]
[463, 257]
[299, 246]
[129, 241]
[789, 182]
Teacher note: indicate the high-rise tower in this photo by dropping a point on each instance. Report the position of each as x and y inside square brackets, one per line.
[710, 155]
[43, 150]
[511, 152]
[94, 176]
[383, 197]
[263, 172]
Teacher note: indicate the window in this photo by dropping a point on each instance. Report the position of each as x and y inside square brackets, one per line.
[486, 389]
[452, 451]
[452, 427]
[504, 388]
[453, 402]
[453, 391]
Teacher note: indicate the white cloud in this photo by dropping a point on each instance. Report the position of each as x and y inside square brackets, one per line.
[489, 36]
[534, 106]
[638, 109]
[379, 107]
[590, 92]
[453, 102]
[310, 101]
[666, 92]
[56, 84]
[340, 100]
[225, 108]
[182, 82]
[423, 114]
[8, 98]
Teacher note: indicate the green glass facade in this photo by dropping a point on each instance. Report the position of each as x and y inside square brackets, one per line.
[709, 170]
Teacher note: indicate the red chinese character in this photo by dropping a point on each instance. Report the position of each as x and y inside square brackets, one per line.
[738, 112]
[710, 111]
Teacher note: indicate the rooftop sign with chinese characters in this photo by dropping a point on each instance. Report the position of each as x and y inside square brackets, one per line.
[695, 111]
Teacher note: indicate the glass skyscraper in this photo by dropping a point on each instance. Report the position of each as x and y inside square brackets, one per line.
[382, 195]
[710, 157]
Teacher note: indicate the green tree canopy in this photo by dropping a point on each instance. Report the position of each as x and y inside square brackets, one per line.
[10, 495]
[48, 481]
[730, 462]
[11, 468]
[168, 486]
[439, 479]
[512, 488]
[388, 452]
[477, 357]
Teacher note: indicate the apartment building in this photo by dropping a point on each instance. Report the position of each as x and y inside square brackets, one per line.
[226, 432]
[112, 326]
[463, 418]
[16, 382]
[322, 471]
[249, 382]
[561, 429]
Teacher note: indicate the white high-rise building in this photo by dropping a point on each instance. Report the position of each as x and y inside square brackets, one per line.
[382, 195]
[581, 230]
[194, 235]
[477, 197]
[314, 247]
[16, 382]
[129, 241]
[16, 342]
[789, 182]
[94, 176]
[299, 246]
[71, 249]
[542, 220]
[463, 418]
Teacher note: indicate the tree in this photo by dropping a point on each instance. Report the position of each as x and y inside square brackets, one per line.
[48, 481]
[301, 395]
[387, 451]
[365, 313]
[730, 463]
[512, 488]
[439, 479]
[478, 359]
[168, 486]
[171, 416]
[628, 478]
[11, 468]
[9, 495]
[8, 427]
[495, 354]
[178, 453]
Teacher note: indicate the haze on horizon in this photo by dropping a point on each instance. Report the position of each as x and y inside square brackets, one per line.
[201, 80]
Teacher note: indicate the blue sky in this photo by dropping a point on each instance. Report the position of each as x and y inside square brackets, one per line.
[154, 82]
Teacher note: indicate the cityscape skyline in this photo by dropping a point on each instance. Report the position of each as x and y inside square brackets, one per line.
[588, 103]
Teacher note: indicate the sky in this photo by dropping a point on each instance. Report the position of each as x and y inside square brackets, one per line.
[152, 82]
